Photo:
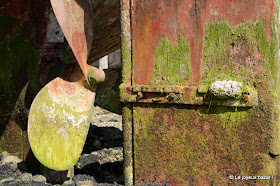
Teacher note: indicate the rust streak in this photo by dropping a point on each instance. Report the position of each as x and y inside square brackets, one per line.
[196, 40]
[78, 43]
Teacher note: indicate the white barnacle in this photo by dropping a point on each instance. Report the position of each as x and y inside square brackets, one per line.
[226, 89]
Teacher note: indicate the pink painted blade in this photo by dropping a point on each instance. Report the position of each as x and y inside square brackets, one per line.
[75, 20]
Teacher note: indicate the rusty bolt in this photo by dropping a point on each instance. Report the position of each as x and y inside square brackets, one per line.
[246, 97]
[128, 88]
[139, 95]
[171, 97]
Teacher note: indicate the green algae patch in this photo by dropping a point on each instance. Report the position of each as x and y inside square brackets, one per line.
[57, 131]
[172, 63]
[2, 144]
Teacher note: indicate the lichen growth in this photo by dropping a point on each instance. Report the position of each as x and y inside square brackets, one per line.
[198, 142]
[245, 53]
[223, 43]
[57, 132]
[172, 62]
[225, 89]
[126, 61]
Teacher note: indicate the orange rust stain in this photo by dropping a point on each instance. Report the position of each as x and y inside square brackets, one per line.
[145, 64]
[196, 39]
[69, 88]
[152, 20]
[54, 87]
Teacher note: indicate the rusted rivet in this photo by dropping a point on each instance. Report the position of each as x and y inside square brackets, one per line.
[139, 95]
[129, 88]
[171, 97]
[246, 97]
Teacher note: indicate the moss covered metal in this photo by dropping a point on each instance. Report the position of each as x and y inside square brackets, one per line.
[242, 53]
[58, 125]
[207, 144]
[172, 63]
[191, 44]
[200, 145]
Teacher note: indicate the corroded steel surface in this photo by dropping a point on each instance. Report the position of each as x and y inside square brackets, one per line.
[194, 43]
[189, 95]
[152, 20]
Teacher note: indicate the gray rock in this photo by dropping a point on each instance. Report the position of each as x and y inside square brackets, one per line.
[3, 155]
[25, 177]
[84, 183]
[84, 177]
[9, 179]
[8, 170]
[103, 156]
[103, 118]
[69, 182]
[6, 158]
[39, 178]
[13, 166]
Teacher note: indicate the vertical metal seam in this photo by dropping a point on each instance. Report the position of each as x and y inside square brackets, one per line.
[127, 108]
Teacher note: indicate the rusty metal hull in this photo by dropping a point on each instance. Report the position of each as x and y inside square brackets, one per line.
[204, 91]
